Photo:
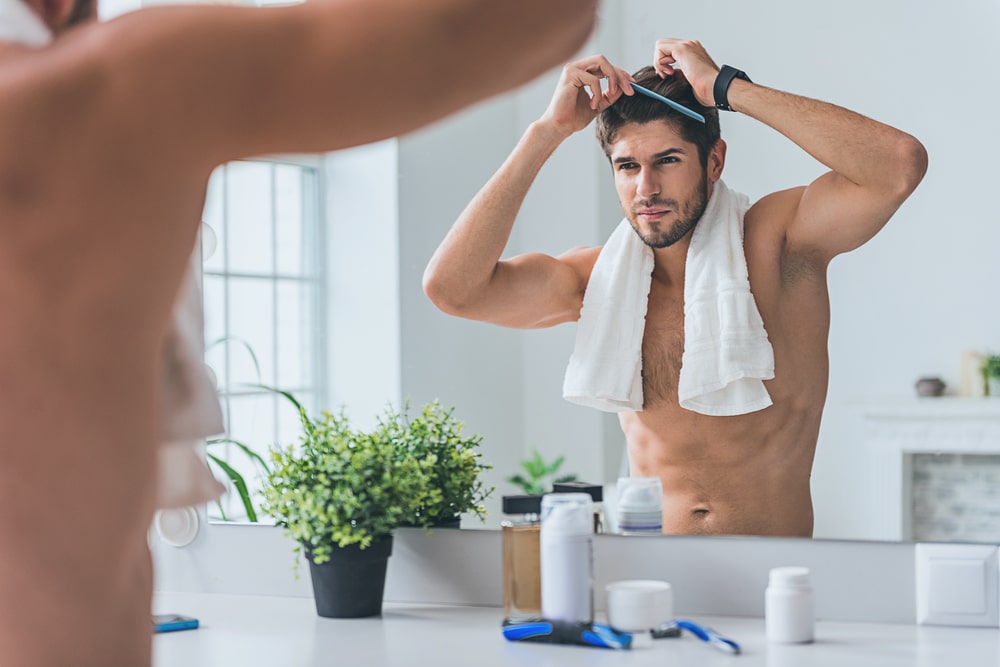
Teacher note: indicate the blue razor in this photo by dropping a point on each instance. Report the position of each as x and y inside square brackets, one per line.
[669, 102]
[708, 635]
[558, 632]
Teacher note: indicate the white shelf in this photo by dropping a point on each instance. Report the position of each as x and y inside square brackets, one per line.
[939, 407]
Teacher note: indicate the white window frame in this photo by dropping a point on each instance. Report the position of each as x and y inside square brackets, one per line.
[312, 395]
[359, 200]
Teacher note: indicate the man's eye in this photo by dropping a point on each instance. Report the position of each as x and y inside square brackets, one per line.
[624, 166]
[670, 159]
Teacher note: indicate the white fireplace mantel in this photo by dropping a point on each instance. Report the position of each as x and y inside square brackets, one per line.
[894, 430]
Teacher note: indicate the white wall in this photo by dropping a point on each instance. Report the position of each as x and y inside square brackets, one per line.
[905, 305]
[506, 384]
[363, 314]
[470, 365]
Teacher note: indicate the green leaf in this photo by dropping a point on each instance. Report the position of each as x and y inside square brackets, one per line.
[555, 465]
[538, 471]
[241, 486]
[535, 466]
[530, 487]
[991, 366]
[222, 511]
[246, 345]
[307, 424]
[250, 453]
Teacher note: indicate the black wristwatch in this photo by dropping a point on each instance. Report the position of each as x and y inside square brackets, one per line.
[721, 89]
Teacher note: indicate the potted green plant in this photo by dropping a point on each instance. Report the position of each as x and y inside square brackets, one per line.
[452, 459]
[991, 372]
[339, 494]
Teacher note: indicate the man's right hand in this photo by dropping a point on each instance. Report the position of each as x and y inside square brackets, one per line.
[466, 277]
[578, 97]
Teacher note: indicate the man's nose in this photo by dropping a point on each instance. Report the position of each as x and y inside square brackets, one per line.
[649, 185]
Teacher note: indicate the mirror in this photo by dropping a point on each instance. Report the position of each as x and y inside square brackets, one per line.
[905, 305]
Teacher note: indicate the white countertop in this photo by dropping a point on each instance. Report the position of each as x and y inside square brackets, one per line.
[284, 631]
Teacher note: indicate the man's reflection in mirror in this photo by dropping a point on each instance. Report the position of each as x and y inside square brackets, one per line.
[703, 320]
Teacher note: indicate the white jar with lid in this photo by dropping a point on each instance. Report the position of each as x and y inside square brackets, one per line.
[789, 615]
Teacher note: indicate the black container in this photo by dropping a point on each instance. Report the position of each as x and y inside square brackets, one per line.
[351, 583]
[596, 493]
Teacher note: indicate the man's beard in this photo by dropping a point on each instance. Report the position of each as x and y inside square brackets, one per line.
[687, 217]
[83, 11]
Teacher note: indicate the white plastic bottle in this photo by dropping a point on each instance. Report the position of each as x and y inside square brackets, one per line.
[789, 616]
[567, 565]
[596, 493]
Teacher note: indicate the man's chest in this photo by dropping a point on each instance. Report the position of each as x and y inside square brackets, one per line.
[662, 344]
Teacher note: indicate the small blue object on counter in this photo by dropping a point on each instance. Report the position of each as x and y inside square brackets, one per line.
[708, 635]
[173, 622]
[559, 632]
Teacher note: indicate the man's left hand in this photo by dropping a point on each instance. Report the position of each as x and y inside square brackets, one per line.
[693, 61]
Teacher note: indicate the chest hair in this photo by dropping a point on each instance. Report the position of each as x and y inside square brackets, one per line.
[662, 345]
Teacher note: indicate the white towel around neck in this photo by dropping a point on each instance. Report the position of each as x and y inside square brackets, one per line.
[190, 410]
[726, 352]
[189, 407]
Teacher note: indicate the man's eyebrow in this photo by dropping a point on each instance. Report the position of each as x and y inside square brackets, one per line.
[662, 154]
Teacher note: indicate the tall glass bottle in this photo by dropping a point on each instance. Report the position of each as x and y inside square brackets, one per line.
[520, 530]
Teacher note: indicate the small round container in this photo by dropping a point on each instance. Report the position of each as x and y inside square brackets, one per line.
[639, 605]
[788, 606]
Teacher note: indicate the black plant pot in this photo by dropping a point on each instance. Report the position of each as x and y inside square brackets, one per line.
[351, 583]
[449, 522]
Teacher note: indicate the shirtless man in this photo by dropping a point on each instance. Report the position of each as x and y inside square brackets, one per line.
[108, 135]
[745, 474]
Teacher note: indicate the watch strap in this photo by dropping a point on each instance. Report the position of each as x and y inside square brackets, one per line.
[721, 89]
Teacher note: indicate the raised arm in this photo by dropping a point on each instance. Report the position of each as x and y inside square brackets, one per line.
[320, 75]
[873, 167]
[466, 276]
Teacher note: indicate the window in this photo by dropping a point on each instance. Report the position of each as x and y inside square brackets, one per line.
[264, 306]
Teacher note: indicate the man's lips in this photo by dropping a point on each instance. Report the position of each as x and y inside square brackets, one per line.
[652, 212]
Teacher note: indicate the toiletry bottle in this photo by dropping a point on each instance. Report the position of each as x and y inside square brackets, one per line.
[640, 506]
[567, 571]
[519, 533]
[596, 493]
[788, 606]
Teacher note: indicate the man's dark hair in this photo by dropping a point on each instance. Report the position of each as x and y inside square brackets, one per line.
[641, 109]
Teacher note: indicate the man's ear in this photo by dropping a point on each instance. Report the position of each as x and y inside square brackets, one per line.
[716, 160]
